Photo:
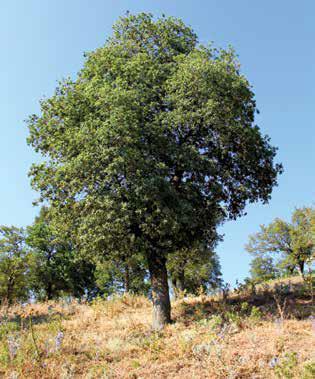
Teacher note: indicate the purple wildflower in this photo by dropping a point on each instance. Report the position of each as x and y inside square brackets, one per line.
[13, 346]
[58, 340]
[274, 362]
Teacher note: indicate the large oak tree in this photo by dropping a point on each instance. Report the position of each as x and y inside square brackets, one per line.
[151, 145]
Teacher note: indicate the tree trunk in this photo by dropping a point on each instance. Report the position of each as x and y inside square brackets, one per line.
[180, 281]
[301, 267]
[291, 269]
[179, 284]
[127, 279]
[174, 289]
[49, 291]
[160, 291]
[10, 287]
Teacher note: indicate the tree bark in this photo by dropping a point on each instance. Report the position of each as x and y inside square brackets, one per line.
[291, 269]
[174, 288]
[301, 267]
[49, 291]
[180, 281]
[179, 284]
[160, 291]
[127, 279]
[10, 287]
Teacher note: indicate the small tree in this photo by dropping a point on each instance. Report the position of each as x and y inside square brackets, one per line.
[302, 237]
[192, 269]
[292, 243]
[262, 269]
[15, 262]
[57, 269]
[151, 145]
[122, 276]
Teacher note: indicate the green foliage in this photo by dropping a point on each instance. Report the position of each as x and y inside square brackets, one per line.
[255, 313]
[213, 322]
[309, 371]
[47, 263]
[194, 269]
[233, 317]
[117, 276]
[262, 269]
[248, 285]
[56, 270]
[8, 327]
[244, 307]
[292, 243]
[287, 366]
[15, 262]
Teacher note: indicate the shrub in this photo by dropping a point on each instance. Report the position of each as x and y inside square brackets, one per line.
[256, 314]
[309, 370]
[287, 366]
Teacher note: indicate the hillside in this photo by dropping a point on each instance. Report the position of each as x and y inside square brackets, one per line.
[266, 334]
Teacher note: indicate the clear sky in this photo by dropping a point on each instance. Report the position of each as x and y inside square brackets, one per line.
[43, 41]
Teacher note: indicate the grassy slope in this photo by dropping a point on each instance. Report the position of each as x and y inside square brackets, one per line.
[248, 336]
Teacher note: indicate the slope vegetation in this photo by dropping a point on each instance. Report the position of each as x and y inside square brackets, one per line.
[268, 333]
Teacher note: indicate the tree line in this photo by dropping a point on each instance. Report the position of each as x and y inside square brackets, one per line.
[38, 262]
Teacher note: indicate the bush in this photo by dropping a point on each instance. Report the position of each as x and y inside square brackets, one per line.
[287, 366]
[309, 371]
[256, 314]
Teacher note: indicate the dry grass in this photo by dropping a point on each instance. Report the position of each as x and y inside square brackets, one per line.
[243, 337]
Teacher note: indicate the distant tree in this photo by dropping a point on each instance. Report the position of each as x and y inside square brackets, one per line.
[81, 280]
[15, 262]
[292, 244]
[192, 269]
[57, 270]
[51, 258]
[150, 145]
[302, 237]
[262, 269]
[121, 276]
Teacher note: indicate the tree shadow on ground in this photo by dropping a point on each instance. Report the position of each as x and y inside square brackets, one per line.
[289, 303]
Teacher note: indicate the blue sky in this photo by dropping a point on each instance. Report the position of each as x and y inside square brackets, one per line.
[44, 41]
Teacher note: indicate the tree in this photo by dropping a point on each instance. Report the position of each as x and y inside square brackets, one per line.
[262, 269]
[302, 237]
[57, 269]
[150, 146]
[15, 262]
[51, 258]
[192, 269]
[122, 276]
[292, 243]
